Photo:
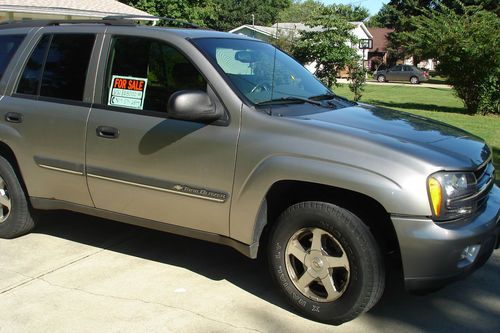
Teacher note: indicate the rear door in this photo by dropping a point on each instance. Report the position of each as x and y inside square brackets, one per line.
[46, 107]
[408, 72]
[143, 164]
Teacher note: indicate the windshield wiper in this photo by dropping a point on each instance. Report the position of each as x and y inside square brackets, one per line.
[289, 99]
[329, 97]
[323, 97]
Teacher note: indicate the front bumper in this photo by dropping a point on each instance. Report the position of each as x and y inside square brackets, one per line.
[432, 254]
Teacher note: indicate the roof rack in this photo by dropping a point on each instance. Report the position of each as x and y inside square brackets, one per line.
[47, 23]
[152, 18]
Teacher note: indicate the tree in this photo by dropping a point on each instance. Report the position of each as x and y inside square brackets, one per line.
[328, 47]
[221, 15]
[304, 11]
[466, 45]
[357, 79]
[196, 11]
[301, 11]
[398, 14]
[351, 13]
[233, 13]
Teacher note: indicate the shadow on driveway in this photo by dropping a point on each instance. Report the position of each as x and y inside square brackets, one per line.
[466, 306]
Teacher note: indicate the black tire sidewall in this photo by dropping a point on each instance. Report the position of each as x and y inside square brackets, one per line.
[19, 217]
[349, 305]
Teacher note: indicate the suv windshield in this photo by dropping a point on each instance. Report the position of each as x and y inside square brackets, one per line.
[260, 71]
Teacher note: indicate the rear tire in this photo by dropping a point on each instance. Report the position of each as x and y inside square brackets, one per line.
[381, 78]
[15, 215]
[414, 80]
[326, 262]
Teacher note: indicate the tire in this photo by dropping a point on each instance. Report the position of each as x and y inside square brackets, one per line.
[346, 241]
[15, 215]
[414, 80]
[381, 78]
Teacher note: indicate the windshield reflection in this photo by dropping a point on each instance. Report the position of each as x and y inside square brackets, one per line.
[260, 71]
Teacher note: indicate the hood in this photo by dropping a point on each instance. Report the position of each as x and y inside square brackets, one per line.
[446, 145]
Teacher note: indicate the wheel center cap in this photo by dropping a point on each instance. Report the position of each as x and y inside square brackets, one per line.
[317, 263]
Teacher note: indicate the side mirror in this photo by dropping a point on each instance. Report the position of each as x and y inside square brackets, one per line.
[192, 105]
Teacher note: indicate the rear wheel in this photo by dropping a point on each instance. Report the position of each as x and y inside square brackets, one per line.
[381, 78]
[326, 262]
[15, 215]
[414, 80]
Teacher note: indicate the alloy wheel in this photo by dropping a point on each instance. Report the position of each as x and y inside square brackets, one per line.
[5, 201]
[317, 264]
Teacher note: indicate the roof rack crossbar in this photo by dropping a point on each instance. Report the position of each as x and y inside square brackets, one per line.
[152, 18]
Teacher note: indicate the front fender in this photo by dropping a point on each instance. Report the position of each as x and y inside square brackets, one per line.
[248, 197]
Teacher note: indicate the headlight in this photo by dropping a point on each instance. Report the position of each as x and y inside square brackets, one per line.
[449, 193]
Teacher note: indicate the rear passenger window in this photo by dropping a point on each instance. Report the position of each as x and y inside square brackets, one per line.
[58, 67]
[143, 73]
[8, 46]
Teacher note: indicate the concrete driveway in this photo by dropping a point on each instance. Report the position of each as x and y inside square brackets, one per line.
[77, 273]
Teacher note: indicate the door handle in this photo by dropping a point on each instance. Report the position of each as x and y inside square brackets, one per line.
[14, 117]
[107, 132]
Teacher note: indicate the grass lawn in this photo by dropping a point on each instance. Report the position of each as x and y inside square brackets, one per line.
[436, 103]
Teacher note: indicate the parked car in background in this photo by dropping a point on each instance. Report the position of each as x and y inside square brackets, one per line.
[401, 73]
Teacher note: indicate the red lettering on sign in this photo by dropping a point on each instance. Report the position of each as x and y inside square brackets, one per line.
[135, 85]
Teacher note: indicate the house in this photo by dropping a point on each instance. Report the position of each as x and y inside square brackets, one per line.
[378, 54]
[63, 9]
[292, 30]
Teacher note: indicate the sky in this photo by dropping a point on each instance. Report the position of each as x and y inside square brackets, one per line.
[372, 5]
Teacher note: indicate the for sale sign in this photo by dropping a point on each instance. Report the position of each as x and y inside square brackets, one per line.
[127, 91]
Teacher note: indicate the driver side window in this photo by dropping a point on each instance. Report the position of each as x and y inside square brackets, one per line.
[143, 73]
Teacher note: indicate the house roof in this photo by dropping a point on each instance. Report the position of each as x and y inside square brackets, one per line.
[268, 31]
[380, 38]
[294, 29]
[91, 8]
[304, 27]
[294, 26]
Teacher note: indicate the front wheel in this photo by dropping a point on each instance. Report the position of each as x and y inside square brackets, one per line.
[326, 262]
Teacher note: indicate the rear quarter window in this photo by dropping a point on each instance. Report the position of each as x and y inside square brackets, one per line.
[8, 47]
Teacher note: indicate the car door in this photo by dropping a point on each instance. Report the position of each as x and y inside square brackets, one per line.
[408, 72]
[47, 105]
[394, 73]
[141, 163]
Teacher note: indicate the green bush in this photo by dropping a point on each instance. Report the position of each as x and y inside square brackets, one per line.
[467, 48]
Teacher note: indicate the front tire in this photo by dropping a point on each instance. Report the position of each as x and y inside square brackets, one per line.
[326, 262]
[15, 215]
